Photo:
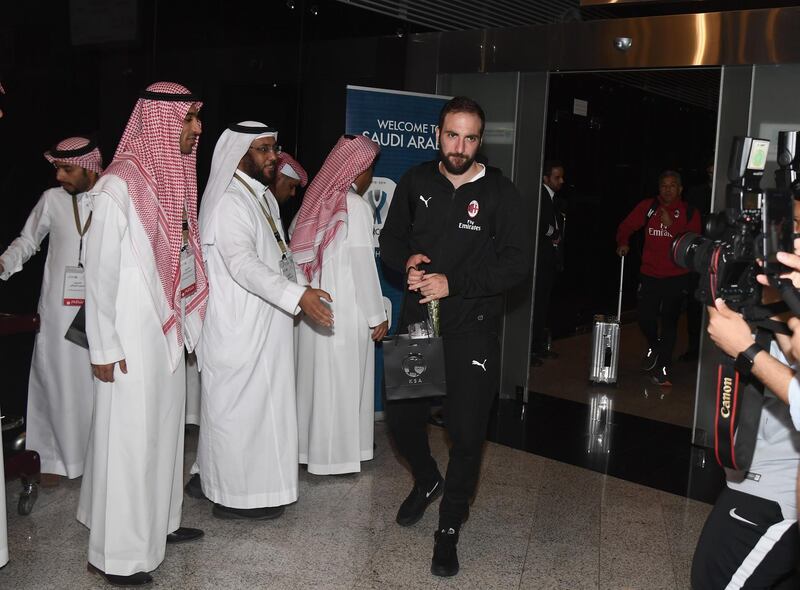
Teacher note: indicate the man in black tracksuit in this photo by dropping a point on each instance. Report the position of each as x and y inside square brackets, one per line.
[460, 231]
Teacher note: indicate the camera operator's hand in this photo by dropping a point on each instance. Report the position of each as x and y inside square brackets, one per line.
[728, 329]
[623, 250]
[792, 261]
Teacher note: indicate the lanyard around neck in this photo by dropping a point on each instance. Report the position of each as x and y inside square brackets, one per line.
[265, 210]
[81, 232]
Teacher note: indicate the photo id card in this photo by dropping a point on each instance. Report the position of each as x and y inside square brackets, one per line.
[74, 286]
[287, 267]
[188, 273]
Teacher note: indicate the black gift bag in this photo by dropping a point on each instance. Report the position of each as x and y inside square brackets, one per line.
[413, 367]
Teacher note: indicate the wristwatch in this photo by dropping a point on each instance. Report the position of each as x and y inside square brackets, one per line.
[744, 362]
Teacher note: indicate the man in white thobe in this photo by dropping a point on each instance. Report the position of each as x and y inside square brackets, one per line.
[146, 291]
[247, 452]
[60, 386]
[336, 367]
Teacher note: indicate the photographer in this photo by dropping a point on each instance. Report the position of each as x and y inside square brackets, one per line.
[750, 539]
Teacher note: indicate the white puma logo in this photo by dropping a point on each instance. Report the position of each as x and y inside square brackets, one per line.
[481, 365]
[424, 200]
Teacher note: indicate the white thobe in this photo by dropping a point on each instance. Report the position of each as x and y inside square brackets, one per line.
[60, 384]
[247, 452]
[3, 530]
[131, 495]
[336, 367]
[192, 390]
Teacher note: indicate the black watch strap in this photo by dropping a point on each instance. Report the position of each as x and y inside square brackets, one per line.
[744, 362]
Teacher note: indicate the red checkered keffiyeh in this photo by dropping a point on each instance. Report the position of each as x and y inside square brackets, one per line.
[295, 170]
[161, 181]
[324, 208]
[77, 151]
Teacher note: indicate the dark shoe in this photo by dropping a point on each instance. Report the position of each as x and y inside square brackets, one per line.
[661, 377]
[137, 579]
[267, 513]
[547, 354]
[445, 558]
[535, 360]
[650, 360]
[690, 356]
[194, 487]
[413, 507]
[184, 535]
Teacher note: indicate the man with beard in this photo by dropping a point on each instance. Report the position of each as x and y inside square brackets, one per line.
[247, 453]
[60, 384]
[146, 294]
[458, 229]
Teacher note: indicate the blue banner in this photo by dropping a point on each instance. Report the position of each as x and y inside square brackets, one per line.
[404, 125]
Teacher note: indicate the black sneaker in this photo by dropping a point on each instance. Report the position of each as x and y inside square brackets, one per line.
[413, 507]
[650, 360]
[445, 557]
[661, 377]
[194, 488]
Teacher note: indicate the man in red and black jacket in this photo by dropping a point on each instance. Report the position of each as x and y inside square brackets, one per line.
[663, 283]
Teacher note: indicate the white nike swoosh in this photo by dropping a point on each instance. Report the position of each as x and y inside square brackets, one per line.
[737, 517]
[433, 489]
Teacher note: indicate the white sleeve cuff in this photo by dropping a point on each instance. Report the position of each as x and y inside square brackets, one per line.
[794, 401]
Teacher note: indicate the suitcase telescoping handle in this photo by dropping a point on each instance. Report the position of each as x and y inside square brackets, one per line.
[619, 300]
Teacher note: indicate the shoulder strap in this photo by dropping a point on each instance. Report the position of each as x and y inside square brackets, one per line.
[652, 210]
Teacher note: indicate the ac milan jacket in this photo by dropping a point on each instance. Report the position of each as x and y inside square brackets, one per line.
[478, 236]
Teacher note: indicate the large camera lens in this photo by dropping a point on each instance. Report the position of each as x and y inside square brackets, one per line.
[692, 251]
[716, 225]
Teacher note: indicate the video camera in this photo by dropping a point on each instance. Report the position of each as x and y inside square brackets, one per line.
[741, 242]
[756, 224]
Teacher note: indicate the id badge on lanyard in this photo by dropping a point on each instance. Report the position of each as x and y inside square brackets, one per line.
[287, 267]
[74, 277]
[74, 286]
[188, 272]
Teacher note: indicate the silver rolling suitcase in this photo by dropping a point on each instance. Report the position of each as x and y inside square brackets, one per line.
[605, 342]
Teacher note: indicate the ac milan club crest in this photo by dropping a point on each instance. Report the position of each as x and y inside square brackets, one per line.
[473, 208]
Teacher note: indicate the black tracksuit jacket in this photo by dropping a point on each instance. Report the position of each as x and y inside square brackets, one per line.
[476, 235]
